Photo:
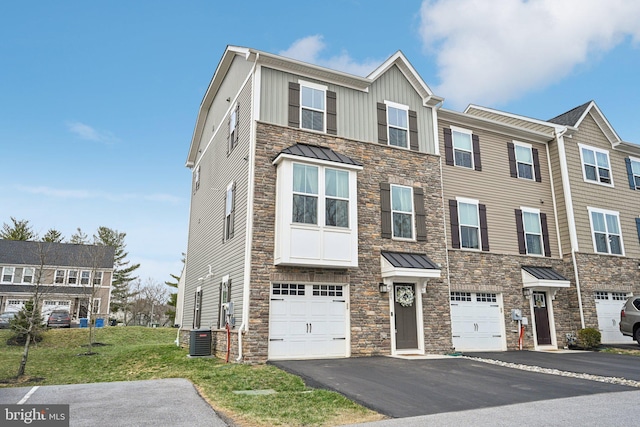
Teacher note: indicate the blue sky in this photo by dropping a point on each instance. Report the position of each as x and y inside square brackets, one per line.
[98, 100]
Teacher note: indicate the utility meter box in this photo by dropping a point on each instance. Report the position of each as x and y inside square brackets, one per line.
[516, 314]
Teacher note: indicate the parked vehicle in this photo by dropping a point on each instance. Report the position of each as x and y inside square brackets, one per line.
[630, 318]
[59, 319]
[6, 318]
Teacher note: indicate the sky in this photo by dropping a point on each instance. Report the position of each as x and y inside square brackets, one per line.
[98, 100]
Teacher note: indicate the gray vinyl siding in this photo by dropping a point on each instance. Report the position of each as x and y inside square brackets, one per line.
[231, 85]
[206, 225]
[585, 194]
[356, 110]
[513, 121]
[495, 188]
[561, 204]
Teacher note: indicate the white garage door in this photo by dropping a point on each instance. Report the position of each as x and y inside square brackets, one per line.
[307, 321]
[14, 304]
[476, 322]
[608, 306]
[49, 305]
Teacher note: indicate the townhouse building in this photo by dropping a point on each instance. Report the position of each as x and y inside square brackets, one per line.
[334, 216]
[57, 276]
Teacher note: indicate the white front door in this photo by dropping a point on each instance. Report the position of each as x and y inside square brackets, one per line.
[608, 306]
[476, 322]
[308, 321]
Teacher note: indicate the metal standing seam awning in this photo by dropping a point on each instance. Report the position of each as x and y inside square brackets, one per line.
[543, 278]
[401, 266]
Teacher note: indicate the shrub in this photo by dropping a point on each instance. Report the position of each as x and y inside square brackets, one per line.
[589, 338]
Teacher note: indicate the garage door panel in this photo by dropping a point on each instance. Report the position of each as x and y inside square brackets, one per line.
[608, 307]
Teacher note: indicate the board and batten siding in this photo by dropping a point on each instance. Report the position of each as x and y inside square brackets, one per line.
[618, 198]
[356, 110]
[495, 188]
[206, 226]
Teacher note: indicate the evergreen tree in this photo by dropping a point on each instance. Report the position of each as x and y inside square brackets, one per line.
[53, 235]
[20, 230]
[79, 237]
[122, 269]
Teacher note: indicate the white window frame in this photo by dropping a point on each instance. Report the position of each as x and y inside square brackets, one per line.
[322, 89]
[97, 278]
[96, 306]
[327, 197]
[25, 275]
[454, 130]
[605, 212]
[320, 191]
[72, 279]
[529, 147]
[595, 153]
[85, 277]
[233, 128]
[524, 228]
[59, 279]
[476, 203]
[401, 107]
[412, 213]
[5, 271]
[228, 209]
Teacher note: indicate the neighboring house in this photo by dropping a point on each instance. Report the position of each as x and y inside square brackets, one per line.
[316, 214]
[73, 277]
[334, 216]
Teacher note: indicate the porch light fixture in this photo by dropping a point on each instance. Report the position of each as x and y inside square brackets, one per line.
[383, 288]
[526, 292]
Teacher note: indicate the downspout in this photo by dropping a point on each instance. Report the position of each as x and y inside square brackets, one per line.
[573, 237]
[255, 88]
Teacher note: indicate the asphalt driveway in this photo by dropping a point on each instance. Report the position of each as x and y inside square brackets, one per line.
[406, 388]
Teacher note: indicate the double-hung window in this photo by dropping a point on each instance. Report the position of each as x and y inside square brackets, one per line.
[469, 221]
[336, 185]
[305, 194]
[524, 161]
[27, 274]
[84, 277]
[402, 211]
[72, 277]
[97, 278]
[532, 231]
[462, 147]
[398, 123]
[595, 165]
[605, 226]
[312, 106]
[229, 211]
[59, 278]
[7, 274]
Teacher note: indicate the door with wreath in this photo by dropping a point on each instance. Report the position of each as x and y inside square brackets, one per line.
[405, 316]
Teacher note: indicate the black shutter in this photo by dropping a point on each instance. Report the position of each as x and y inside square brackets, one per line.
[513, 166]
[484, 229]
[385, 209]
[233, 211]
[477, 163]
[294, 105]
[545, 234]
[522, 246]
[382, 124]
[413, 131]
[332, 119]
[455, 229]
[638, 228]
[536, 164]
[448, 146]
[421, 217]
[632, 181]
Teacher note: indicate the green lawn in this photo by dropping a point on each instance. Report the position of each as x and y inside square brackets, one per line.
[136, 353]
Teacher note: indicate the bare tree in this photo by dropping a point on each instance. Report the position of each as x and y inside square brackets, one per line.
[149, 305]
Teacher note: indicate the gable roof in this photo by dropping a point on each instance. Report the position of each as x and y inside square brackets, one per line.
[318, 153]
[574, 117]
[571, 117]
[20, 252]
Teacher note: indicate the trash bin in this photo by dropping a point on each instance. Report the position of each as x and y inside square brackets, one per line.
[99, 322]
[84, 322]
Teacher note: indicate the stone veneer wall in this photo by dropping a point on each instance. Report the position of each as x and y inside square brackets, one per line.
[369, 309]
[473, 271]
[605, 273]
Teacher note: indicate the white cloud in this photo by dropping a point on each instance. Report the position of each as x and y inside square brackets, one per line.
[495, 51]
[112, 197]
[86, 132]
[308, 49]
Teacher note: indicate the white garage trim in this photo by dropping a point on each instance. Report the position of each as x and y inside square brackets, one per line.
[308, 321]
[608, 307]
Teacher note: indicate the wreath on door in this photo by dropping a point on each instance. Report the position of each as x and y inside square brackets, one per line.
[405, 296]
